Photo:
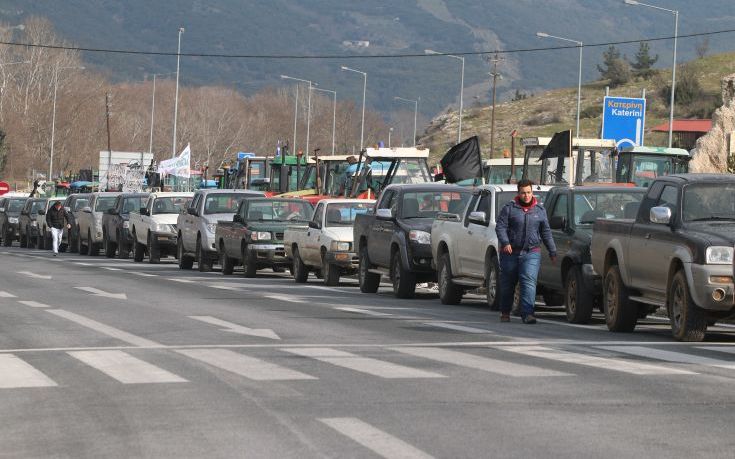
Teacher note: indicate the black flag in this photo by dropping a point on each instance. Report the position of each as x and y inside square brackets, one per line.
[558, 147]
[463, 161]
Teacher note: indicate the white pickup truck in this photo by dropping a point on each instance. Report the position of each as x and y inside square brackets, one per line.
[153, 227]
[465, 248]
[326, 245]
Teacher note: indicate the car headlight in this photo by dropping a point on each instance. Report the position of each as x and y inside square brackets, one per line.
[13, 219]
[34, 223]
[419, 237]
[211, 227]
[339, 246]
[126, 225]
[717, 255]
[260, 236]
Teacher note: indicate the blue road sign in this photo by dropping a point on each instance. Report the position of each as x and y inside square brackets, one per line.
[242, 155]
[624, 120]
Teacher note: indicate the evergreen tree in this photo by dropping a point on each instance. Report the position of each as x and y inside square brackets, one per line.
[614, 67]
[643, 65]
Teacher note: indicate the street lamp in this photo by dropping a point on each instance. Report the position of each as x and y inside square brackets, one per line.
[673, 66]
[579, 80]
[461, 89]
[176, 100]
[153, 107]
[390, 131]
[334, 112]
[53, 117]
[308, 110]
[415, 113]
[364, 91]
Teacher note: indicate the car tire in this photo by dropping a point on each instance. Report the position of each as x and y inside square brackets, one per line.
[107, 246]
[369, 282]
[31, 240]
[553, 299]
[185, 261]
[23, 240]
[621, 314]
[203, 263]
[75, 242]
[123, 250]
[330, 272]
[92, 249]
[404, 281]
[80, 244]
[39, 242]
[228, 264]
[688, 321]
[249, 268]
[300, 271]
[449, 292]
[578, 301]
[7, 238]
[48, 242]
[154, 251]
[492, 283]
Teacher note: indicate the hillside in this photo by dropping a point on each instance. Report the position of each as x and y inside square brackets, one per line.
[548, 112]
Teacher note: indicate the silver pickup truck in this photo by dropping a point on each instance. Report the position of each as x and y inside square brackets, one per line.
[89, 221]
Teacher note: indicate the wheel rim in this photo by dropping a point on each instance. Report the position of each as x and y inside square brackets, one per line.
[491, 285]
[677, 304]
[572, 295]
[363, 267]
[611, 296]
[443, 280]
[396, 273]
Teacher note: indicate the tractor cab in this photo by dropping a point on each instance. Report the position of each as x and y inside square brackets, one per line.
[641, 165]
[597, 164]
[380, 167]
[497, 171]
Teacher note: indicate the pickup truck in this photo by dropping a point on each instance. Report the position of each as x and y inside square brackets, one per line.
[571, 213]
[28, 227]
[464, 247]
[395, 239]
[195, 239]
[73, 204]
[43, 239]
[89, 221]
[326, 244]
[254, 237]
[153, 225]
[677, 254]
[116, 235]
[9, 214]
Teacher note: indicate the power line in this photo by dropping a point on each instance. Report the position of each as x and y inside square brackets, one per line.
[353, 56]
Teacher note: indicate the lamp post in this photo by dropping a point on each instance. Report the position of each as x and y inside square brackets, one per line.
[390, 131]
[308, 110]
[176, 97]
[461, 89]
[53, 117]
[579, 79]
[673, 66]
[364, 91]
[334, 112]
[153, 108]
[415, 113]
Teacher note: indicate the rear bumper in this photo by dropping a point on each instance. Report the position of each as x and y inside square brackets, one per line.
[268, 255]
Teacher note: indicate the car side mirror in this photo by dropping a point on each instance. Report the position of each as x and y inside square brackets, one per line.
[384, 214]
[237, 218]
[660, 215]
[87, 210]
[315, 225]
[112, 211]
[558, 222]
[41, 212]
[143, 211]
[478, 218]
[192, 211]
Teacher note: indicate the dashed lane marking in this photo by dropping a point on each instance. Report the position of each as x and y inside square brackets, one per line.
[377, 441]
[104, 329]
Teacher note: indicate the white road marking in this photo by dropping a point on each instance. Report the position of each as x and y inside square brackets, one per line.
[367, 365]
[125, 368]
[34, 304]
[235, 328]
[477, 362]
[83, 264]
[223, 287]
[458, 327]
[284, 298]
[183, 281]
[4, 294]
[34, 275]
[98, 292]
[605, 363]
[143, 274]
[364, 311]
[111, 269]
[16, 373]
[243, 365]
[567, 324]
[729, 350]
[670, 356]
[104, 329]
[374, 439]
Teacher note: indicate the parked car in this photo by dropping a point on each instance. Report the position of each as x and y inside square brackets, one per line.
[28, 229]
[73, 204]
[89, 221]
[395, 240]
[10, 208]
[572, 212]
[153, 225]
[254, 237]
[116, 235]
[677, 254]
[43, 239]
[196, 227]
[326, 243]
[464, 246]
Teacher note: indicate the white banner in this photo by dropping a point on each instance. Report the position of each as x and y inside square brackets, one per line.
[179, 166]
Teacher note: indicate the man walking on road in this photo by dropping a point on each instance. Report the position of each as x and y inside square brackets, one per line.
[521, 228]
[56, 218]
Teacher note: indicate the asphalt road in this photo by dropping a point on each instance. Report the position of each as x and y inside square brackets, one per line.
[111, 358]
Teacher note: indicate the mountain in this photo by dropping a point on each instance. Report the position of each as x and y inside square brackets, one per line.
[343, 27]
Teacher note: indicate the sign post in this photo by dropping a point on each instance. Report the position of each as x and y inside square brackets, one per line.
[624, 120]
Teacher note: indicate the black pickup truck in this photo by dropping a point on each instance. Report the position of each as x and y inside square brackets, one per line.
[27, 225]
[116, 236]
[572, 212]
[677, 254]
[395, 239]
[9, 214]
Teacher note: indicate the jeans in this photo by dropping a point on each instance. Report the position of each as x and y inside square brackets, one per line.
[519, 268]
[56, 238]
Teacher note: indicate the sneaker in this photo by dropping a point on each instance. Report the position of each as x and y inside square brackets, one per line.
[505, 317]
[529, 319]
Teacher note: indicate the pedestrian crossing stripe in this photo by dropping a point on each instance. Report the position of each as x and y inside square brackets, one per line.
[125, 368]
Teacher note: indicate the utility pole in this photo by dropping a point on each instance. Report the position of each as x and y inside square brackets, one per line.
[495, 76]
[107, 116]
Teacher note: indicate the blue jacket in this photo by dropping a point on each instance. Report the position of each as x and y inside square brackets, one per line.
[524, 230]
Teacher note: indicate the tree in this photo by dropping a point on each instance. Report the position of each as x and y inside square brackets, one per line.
[519, 95]
[643, 65]
[614, 67]
[702, 47]
[688, 88]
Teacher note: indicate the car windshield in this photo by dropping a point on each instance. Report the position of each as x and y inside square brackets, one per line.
[171, 205]
[648, 167]
[344, 213]
[37, 205]
[224, 203]
[709, 202]
[104, 203]
[427, 204]
[133, 204]
[589, 206]
[15, 205]
[280, 210]
[80, 203]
